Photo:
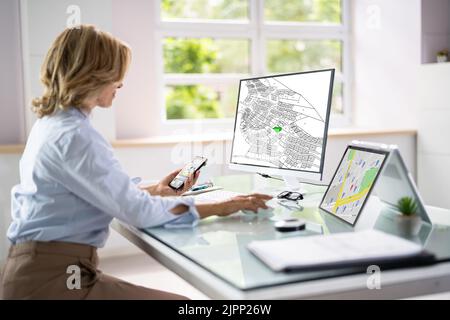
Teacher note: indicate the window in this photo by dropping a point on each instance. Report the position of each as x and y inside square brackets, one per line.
[188, 57]
[206, 46]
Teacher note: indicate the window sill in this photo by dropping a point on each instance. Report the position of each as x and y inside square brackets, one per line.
[11, 148]
[218, 137]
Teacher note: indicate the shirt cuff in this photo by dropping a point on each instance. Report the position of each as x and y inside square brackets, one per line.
[188, 219]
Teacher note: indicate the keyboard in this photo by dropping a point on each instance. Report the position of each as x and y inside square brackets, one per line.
[215, 196]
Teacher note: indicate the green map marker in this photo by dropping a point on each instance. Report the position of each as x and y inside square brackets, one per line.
[277, 129]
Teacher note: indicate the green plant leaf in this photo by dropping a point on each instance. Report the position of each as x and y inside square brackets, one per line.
[407, 206]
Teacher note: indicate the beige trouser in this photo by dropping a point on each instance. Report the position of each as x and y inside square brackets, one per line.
[49, 270]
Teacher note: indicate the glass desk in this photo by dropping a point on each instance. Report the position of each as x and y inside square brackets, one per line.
[214, 258]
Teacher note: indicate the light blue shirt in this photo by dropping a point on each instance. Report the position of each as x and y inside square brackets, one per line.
[72, 186]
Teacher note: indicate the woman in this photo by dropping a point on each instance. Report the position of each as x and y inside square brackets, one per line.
[72, 186]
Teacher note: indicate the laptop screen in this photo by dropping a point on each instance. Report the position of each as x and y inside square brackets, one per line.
[352, 182]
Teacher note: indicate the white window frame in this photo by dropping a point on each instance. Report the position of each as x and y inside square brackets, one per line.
[257, 32]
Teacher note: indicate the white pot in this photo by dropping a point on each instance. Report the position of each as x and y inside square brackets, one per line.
[408, 226]
[441, 58]
[392, 221]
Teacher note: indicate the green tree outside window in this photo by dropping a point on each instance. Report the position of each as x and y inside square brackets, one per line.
[214, 56]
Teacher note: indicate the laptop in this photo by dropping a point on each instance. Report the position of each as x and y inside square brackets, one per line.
[367, 168]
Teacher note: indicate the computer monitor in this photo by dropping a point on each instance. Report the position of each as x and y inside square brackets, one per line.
[281, 124]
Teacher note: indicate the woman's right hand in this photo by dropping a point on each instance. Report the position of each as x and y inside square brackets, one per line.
[250, 202]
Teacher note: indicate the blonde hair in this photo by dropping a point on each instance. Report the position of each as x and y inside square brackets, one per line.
[80, 62]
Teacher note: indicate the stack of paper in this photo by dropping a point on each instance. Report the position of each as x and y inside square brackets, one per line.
[333, 250]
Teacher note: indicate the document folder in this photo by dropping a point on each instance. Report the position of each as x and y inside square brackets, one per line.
[350, 249]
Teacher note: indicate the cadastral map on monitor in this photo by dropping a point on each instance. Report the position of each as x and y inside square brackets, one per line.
[281, 121]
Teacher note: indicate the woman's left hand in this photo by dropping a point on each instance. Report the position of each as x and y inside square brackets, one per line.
[163, 189]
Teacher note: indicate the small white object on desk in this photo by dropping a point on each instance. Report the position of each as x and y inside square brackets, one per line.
[289, 225]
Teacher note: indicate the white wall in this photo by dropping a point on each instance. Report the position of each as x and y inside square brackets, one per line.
[393, 89]
[387, 51]
[42, 21]
[133, 23]
[11, 85]
[434, 133]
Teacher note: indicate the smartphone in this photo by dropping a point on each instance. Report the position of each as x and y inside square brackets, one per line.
[178, 182]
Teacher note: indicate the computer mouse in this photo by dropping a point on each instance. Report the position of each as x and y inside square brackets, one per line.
[292, 224]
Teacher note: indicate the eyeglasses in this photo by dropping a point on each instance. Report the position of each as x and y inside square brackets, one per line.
[288, 195]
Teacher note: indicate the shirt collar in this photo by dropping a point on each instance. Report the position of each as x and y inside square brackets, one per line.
[77, 112]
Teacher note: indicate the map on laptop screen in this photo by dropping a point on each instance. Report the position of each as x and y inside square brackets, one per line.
[352, 183]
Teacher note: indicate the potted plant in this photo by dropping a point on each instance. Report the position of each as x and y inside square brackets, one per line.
[408, 220]
[442, 56]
